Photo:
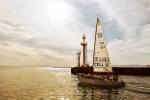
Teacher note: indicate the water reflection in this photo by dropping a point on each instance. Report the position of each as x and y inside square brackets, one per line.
[53, 84]
[90, 92]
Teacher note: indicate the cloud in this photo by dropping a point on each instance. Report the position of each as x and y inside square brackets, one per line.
[9, 23]
[4, 37]
[131, 18]
[53, 30]
[3, 43]
[20, 54]
[48, 57]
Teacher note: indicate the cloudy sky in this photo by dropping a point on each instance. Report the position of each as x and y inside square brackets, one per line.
[49, 32]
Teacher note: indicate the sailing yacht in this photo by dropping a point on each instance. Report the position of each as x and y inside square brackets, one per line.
[101, 62]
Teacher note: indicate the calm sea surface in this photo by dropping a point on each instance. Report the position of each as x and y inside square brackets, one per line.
[44, 83]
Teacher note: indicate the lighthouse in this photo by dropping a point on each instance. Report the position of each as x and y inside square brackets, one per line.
[78, 58]
[84, 44]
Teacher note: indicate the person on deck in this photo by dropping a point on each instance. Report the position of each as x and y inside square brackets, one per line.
[115, 77]
[88, 75]
[103, 76]
[108, 74]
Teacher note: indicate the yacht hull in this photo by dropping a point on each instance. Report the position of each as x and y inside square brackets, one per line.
[100, 82]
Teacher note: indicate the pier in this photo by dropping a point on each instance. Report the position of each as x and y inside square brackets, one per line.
[139, 71]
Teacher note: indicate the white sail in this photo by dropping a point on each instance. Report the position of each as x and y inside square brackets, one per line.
[101, 61]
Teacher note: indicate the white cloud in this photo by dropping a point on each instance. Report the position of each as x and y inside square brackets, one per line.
[53, 30]
[132, 17]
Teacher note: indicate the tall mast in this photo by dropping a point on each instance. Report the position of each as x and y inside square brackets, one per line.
[95, 40]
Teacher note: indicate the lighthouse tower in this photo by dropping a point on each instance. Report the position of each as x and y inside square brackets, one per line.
[78, 58]
[84, 44]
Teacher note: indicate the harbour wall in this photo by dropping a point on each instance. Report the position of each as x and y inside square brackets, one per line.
[140, 71]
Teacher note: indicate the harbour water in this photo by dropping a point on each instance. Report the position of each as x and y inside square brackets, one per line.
[45, 83]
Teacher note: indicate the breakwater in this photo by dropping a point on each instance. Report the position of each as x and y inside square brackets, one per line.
[141, 71]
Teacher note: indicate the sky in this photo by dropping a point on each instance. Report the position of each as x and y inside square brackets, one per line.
[49, 32]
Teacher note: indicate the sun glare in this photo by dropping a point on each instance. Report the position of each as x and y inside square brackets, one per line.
[58, 9]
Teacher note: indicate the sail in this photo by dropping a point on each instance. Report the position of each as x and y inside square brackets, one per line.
[101, 61]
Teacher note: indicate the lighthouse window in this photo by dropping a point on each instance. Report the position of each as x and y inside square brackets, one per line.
[99, 64]
[99, 59]
[106, 64]
[101, 42]
[100, 35]
[104, 68]
[104, 59]
[102, 47]
[107, 59]
[96, 58]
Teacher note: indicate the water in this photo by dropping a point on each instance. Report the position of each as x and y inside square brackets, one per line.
[44, 83]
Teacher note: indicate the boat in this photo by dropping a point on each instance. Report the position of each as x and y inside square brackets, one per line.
[101, 63]
[99, 81]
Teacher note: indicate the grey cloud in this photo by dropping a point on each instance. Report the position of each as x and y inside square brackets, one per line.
[90, 12]
[48, 57]
[112, 31]
[40, 43]
[10, 23]
[20, 54]
[19, 26]
[10, 36]
[4, 37]
[3, 43]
